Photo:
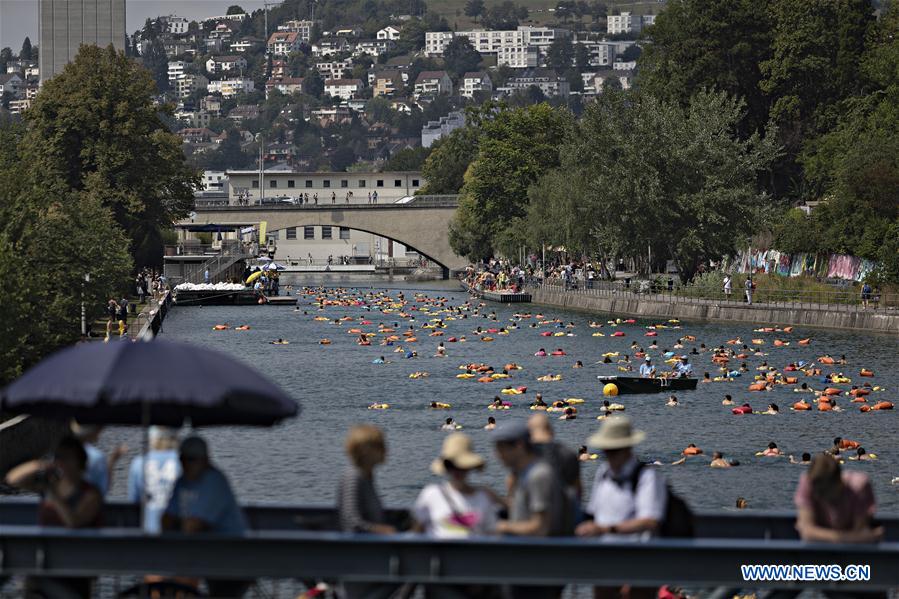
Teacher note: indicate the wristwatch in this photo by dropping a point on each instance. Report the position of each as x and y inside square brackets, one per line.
[613, 530]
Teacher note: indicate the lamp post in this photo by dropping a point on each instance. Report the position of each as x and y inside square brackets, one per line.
[261, 141]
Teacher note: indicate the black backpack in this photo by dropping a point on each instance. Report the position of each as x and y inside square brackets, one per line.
[678, 521]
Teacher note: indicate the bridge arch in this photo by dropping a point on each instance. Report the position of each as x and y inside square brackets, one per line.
[421, 226]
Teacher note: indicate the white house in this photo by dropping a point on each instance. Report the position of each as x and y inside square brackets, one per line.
[188, 84]
[334, 69]
[177, 25]
[301, 27]
[373, 47]
[628, 23]
[476, 82]
[243, 45]
[545, 79]
[176, 70]
[345, 89]
[11, 83]
[433, 83]
[282, 43]
[389, 33]
[434, 130]
[222, 64]
[518, 56]
[286, 85]
[493, 41]
[230, 87]
[214, 181]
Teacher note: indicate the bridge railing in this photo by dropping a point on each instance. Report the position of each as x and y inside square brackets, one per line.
[292, 203]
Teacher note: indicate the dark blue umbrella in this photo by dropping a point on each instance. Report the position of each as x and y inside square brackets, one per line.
[158, 382]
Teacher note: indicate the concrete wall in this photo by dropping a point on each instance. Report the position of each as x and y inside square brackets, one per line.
[633, 305]
[67, 24]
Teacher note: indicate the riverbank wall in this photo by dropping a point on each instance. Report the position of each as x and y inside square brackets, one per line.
[155, 317]
[632, 304]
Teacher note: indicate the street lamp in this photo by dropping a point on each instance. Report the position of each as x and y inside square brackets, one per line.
[261, 141]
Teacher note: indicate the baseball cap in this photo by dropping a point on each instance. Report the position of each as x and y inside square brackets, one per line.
[510, 432]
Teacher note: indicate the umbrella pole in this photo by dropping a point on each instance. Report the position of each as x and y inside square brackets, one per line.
[145, 452]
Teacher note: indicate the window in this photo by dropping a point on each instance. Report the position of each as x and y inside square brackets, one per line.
[344, 233]
[308, 183]
[273, 236]
[273, 183]
[308, 232]
[344, 183]
[361, 182]
[291, 233]
[327, 183]
[397, 182]
[291, 183]
[326, 233]
[255, 183]
[414, 182]
[380, 182]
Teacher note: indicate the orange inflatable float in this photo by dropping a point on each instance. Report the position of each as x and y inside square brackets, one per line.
[757, 387]
[831, 391]
[826, 360]
[866, 372]
[880, 405]
[801, 406]
[824, 405]
[805, 341]
[791, 380]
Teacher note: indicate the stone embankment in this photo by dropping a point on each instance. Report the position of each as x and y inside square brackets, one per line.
[668, 307]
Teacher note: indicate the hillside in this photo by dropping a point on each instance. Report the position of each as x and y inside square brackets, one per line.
[540, 12]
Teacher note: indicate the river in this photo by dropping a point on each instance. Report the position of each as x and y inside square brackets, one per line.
[300, 461]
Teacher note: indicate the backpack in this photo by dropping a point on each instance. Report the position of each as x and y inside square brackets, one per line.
[678, 521]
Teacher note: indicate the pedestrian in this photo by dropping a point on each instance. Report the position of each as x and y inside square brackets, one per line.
[866, 294]
[374, 196]
[139, 288]
[202, 502]
[628, 498]
[152, 477]
[538, 506]
[333, 197]
[835, 505]
[112, 312]
[727, 287]
[315, 198]
[750, 287]
[99, 468]
[206, 275]
[562, 458]
[369, 197]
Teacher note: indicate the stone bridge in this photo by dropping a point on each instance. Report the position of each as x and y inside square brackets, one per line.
[421, 224]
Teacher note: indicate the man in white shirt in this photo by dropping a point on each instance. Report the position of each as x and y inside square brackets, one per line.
[628, 499]
[647, 370]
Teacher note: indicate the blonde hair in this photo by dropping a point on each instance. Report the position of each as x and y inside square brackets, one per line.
[361, 440]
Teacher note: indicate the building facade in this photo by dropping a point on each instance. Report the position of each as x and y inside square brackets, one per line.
[65, 25]
[445, 125]
[390, 186]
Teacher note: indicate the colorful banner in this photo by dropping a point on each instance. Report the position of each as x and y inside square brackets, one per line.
[835, 266]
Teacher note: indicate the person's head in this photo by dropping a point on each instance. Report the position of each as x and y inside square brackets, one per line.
[365, 446]
[717, 456]
[456, 458]
[825, 477]
[741, 503]
[582, 450]
[70, 458]
[491, 420]
[728, 398]
[860, 451]
[772, 445]
[691, 445]
[162, 438]
[684, 359]
[194, 456]
[541, 430]
[513, 445]
[837, 441]
[774, 407]
[616, 438]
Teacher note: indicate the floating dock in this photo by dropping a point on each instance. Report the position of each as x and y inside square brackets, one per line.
[495, 296]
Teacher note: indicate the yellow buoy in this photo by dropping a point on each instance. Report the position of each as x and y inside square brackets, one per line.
[610, 390]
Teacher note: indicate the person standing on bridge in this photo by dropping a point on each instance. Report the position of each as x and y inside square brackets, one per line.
[750, 287]
[374, 197]
[152, 477]
[333, 197]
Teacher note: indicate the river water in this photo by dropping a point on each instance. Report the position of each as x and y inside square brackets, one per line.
[300, 461]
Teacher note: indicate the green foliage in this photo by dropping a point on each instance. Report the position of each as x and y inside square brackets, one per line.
[633, 182]
[794, 232]
[313, 84]
[560, 54]
[445, 167]
[97, 120]
[516, 147]
[408, 159]
[234, 9]
[474, 8]
[460, 57]
[25, 53]
[504, 16]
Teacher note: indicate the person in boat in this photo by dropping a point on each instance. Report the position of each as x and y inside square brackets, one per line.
[647, 370]
[683, 369]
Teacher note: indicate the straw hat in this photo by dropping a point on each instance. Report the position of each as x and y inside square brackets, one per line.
[616, 433]
[457, 449]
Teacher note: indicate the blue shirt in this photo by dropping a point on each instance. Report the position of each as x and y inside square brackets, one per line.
[210, 499]
[647, 369]
[162, 469]
[683, 369]
[97, 472]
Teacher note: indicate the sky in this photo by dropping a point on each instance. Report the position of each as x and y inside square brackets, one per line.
[19, 18]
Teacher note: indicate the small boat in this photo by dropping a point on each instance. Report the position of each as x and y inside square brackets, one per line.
[633, 384]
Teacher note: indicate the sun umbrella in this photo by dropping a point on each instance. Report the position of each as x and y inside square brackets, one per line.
[274, 266]
[159, 382]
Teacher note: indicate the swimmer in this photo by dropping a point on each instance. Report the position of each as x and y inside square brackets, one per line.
[772, 409]
[279, 341]
[861, 455]
[691, 449]
[569, 414]
[804, 388]
[606, 407]
[583, 455]
[578, 364]
[441, 351]
[541, 353]
[741, 503]
[379, 360]
[491, 423]
[449, 425]
[497, 402]
[805, 460]
[706, 378]
[727, 401]
[672, 402]
[538, 401]
[718, 461]
[772, 450]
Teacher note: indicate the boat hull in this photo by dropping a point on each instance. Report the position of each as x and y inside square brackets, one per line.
[628, 384]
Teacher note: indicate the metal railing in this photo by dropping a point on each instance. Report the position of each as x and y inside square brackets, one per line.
[291, 203]
[841, 301]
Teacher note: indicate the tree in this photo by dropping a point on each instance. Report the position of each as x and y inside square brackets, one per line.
[5, 58]
[516, 147]
[313, 84]
[234, 9]
[460, 57]
[407, 159]
[560, 54]
[474, 8]
[156, 61]
[444, 169]
[343, 157]
[25, 53]
[412, 36]
[501, 16]
[649, 173]
[97, 119]
[582, 58]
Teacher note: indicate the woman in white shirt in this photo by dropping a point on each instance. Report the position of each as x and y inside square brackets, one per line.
[454, 508]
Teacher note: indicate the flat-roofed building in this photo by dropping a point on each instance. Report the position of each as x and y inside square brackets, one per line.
[390, 186]
[67, 24]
